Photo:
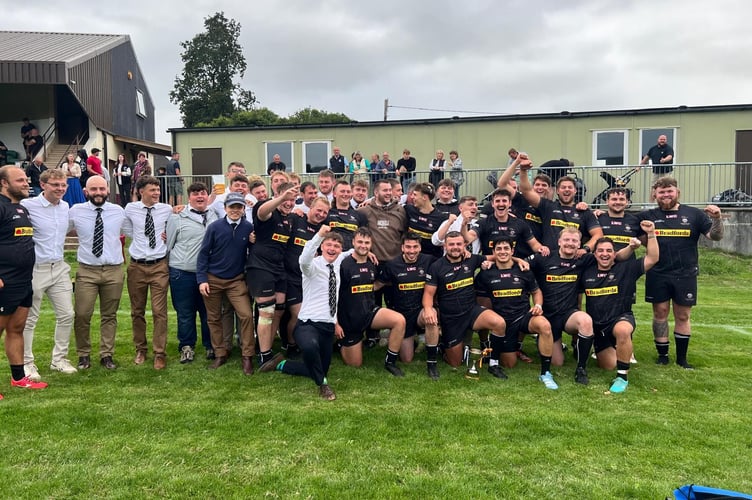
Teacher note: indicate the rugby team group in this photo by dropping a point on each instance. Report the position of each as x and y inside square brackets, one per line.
[326, 268]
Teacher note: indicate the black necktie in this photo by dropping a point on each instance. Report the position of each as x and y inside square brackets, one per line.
[202, 214]
[149, 228]
[98, 245]
[332, 290]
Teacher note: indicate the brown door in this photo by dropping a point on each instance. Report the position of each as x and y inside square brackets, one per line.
[206, 161]
[743, 159]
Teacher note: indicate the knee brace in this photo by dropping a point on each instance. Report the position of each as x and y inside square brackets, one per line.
[266, 312]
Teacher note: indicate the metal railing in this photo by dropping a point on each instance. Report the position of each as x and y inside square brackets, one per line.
[723, 184]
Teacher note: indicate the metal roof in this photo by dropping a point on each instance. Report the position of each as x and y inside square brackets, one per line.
[474, 119]
[68, 48]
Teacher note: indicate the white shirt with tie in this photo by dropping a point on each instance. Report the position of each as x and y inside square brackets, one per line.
[135, 228]
[82, 219]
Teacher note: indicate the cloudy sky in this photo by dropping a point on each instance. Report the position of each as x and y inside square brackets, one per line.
[449, 57]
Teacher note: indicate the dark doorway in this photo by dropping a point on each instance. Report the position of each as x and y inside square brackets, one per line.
[743, 158]
[206, 161]
[72, 122]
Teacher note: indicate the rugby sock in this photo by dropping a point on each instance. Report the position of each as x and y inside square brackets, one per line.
[497, 343]
[682, 344]
[485, 344]
[662, 348]
[622, 369]
[281, 365]
[265, 356]
[545, 364]
[391, 357]
[17, 372]
[432, 353]
[519, 344]
[583, 349]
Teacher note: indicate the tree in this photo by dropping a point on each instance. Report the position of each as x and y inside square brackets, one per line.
[206, 89]
[264, 117]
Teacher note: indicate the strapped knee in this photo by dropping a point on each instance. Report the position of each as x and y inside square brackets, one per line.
[266, 312]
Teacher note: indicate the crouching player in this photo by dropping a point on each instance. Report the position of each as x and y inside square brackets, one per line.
[609, 288]
[450, 282]
[510, 290]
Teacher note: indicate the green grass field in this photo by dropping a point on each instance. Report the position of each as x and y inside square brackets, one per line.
[190, 432]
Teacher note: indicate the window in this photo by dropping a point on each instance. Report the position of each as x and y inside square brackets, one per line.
[316, 156]
[140, 104]
[284, 150]
[610, 147]
[649, 138]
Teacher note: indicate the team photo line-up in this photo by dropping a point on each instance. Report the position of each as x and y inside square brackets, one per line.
[327, 269]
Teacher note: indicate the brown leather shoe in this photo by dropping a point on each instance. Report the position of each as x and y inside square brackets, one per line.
[247, 362]
[160, 362]
[140, 358]
[327, 393]
[271, 364]
[218, 361]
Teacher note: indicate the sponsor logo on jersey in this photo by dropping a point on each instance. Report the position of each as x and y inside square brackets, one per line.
[618, 239]
[361, 289]
[282, 238]
[563, 223]
[567, 278]
[459, 284]
[300, 241]
[673, 233]
[533, 218]
[417, 285]
[512, 292]
[343, 225]
[422, 234]
[597, 292]
[23, 231]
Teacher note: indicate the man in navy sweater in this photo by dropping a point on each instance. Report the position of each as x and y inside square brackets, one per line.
[220, 271]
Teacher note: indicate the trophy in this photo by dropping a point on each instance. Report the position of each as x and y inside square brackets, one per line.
[474, 356]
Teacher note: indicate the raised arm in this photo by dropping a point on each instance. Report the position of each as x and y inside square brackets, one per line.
[716, 230]
[653, 252]
[525, 187]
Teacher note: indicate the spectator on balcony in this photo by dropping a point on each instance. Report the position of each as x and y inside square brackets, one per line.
[74, 193]
[122, 173]
[276, 164]
[33, 172]
[338, 163]
[359, 167]
[661, 156]
[33, 144]
[436, 168]
[456, 174]
[141, 167]
[94, 164]
[406, 167]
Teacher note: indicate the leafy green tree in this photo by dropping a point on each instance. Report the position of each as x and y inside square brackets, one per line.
[207, 89]
[261, 117]
[315, 116]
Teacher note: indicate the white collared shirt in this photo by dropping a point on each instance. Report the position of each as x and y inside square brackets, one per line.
[50, 224]
[135, 224]
[315, 272]
[82, 219]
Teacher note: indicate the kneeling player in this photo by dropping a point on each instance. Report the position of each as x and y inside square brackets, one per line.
[510, 290]
[407, 276]
[450, 282]
[609, 288]
[358, 311]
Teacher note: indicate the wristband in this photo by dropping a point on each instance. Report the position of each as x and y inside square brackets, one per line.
[586, 248]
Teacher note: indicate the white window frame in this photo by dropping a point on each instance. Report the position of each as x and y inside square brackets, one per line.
[140, 104]
[671, 142]
[625, 144]
[305, 159]
[268, 157]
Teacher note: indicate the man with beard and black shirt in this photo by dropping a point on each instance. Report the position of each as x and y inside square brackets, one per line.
[424, 219]
[609, 288]
[302, 229]
[357, 310]
[618, 225]
[406, 276]
[557, 276]
[500, 224]
[343, 218]
[673, 281]
[449, 282]
[265, 272]
[562, 213]
[510, 290]
[16, 271]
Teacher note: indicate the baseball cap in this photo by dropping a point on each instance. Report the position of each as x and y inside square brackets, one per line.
[234, 199]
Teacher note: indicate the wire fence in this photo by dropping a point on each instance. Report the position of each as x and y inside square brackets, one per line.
[723, 184]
